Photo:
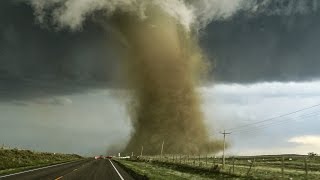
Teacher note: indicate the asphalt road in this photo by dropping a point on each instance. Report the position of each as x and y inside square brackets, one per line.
[81, 170]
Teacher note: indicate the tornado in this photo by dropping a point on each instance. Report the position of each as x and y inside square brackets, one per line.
[162, 66]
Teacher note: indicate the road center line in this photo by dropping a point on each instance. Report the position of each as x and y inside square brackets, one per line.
[59, 178]
[116, 170]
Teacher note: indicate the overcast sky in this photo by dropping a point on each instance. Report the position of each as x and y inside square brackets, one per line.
[234, 106]
[56, 87]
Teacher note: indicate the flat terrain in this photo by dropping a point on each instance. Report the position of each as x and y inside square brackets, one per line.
[240, 167]
[155, 171]
[83, 169]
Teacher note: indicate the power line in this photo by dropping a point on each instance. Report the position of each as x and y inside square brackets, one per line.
[273, 118]
[304, 116]
[263, 126]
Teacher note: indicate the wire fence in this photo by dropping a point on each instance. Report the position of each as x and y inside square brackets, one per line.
[259, 167]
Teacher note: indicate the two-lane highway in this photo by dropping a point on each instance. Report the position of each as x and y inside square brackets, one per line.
[80, 170]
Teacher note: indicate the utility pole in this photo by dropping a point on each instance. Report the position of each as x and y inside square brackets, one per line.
[224, 147]
[141, 151]
[162, 149]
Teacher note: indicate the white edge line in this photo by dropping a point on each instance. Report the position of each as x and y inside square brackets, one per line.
[116, 170]
[34, 170]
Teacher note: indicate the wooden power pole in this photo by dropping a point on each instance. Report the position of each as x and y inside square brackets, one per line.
[224, 147]
[141, 151]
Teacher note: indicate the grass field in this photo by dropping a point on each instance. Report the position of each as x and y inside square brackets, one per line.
[249, 167]
[167, 172]
[13, 160]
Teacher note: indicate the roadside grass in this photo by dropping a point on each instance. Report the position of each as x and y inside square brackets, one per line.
[269, 167]
[264, 172]
[294, 162]
[155, 171]
[264, 167]
[14, 160]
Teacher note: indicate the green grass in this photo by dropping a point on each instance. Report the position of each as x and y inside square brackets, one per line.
[14, 160]
[156, 171]
[264, 167]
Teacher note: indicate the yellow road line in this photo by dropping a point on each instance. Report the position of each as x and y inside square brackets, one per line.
[59, 178]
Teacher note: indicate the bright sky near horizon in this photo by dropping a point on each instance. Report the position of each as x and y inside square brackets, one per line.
[89, 123]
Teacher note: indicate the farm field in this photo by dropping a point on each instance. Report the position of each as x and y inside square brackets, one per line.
[240, 167]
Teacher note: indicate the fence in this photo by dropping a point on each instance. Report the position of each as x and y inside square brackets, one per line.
[260, 167]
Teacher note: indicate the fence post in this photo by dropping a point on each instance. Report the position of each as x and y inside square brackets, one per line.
[233, 165]
[180, 158]
[188, 159]
[282, 167]
[306, 167]
[250, 167]
[141, 153]
[194, 160]
[199, 159]
[206, 159]
[161, 149]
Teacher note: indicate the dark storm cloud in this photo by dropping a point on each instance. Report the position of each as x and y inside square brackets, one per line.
[37, 61]
[265, 48]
